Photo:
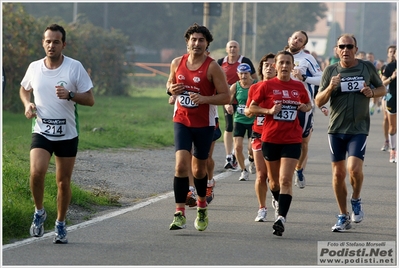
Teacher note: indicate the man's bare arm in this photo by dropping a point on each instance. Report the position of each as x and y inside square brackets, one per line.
[30, 107]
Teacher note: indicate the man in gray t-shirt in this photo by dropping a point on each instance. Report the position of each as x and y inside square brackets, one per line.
[347, 85]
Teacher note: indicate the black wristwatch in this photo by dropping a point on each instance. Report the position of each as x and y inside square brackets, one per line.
[304, 77]
[71, 95]
[168, 92]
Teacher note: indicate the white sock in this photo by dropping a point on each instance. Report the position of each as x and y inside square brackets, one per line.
[39, 211]
[57, 222]
[392, 141]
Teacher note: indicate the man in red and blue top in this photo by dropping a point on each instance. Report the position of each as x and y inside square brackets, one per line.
[200, 84]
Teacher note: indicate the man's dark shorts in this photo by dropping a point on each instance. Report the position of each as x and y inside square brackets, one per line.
[62, 148]
[341, 144]
[188, 137]
[240, 130]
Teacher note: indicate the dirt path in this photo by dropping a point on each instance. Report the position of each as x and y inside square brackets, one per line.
[127, 175]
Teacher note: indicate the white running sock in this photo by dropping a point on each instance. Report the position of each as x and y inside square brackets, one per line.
[39, 211]
[62, 223]
[392, 141]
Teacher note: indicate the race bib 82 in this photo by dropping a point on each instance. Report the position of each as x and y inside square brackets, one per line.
[352, 83]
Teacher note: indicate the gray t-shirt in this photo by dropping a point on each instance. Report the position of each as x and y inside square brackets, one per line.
[349, 107]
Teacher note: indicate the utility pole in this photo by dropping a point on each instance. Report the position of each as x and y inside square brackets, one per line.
[105, 16]
[244, 27]
[393, 23]
[361, 39]
[75, 12]
[254, 25]
[231, 21]
[206, 15]
[206, 10]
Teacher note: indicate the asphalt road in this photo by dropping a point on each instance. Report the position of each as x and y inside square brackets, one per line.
[139, 234]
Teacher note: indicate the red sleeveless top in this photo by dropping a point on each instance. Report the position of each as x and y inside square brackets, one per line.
[231, 70]
[186, 112]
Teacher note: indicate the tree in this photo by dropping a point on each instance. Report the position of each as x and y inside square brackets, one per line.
[333, 34]
[102, 52]
[150, 25]
[162, 25]
[276, 22]
[20, 46]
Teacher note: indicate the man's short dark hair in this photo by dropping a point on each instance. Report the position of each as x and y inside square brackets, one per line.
[57, 28]
[284, 52]
[351, 36]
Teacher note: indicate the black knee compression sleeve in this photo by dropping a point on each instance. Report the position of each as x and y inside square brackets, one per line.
[284, 204]
[200, 185]
[275, 194]
[180, 187]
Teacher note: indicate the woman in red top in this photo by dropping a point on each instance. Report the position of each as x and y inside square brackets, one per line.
[266, 71]
[279, 99]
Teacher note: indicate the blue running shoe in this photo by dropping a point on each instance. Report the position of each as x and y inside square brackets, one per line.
[343, 223]
[299, 178]
[60, 234]
[37, 227]
[357, 214]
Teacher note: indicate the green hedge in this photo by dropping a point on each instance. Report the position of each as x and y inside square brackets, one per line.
[101, 52]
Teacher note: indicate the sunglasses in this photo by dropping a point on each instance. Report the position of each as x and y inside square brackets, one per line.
[348, 46]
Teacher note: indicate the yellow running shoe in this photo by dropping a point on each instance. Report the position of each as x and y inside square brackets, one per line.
[201, 222]
[179, 221]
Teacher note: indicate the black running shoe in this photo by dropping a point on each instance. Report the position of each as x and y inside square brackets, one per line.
[228, 164]
[278, 226]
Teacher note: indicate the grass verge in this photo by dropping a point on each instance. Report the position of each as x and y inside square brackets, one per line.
[142, 120]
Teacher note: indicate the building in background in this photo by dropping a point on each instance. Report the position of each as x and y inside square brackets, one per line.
[357, 18]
